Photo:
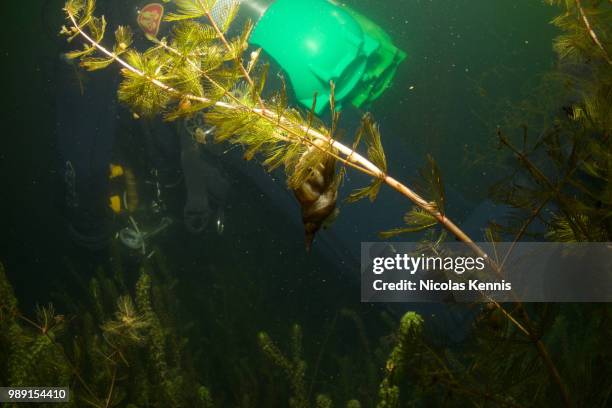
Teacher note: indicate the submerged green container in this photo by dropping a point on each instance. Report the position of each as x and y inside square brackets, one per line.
[318, 41]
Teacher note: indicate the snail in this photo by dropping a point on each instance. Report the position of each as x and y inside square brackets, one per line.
[317, 195]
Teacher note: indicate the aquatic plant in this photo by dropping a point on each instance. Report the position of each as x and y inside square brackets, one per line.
[586, 29]
[31, 355]
[565, 172]
[409, 331]
[105, 362]
[200, 69]
[407, 339]
[558, 189]
[157, 338]
[294, 369]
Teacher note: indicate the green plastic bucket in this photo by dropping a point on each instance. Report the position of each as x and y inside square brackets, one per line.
[318, 41]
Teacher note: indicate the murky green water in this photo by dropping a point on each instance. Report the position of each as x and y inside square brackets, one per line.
[467, 61]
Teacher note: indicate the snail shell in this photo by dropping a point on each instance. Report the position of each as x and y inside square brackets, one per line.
[317, 196]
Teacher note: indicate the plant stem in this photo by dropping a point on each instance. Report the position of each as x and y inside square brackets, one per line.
[245, 73]
[351, 157]
[66, 358]
[354, 159]
[281, 122]
[555, 189]
[112, 387]
[592, 33]
[534, 214]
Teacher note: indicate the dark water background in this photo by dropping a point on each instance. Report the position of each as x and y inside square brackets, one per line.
[466, 60]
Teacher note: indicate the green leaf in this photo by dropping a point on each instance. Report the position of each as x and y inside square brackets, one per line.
[97, 28]
[434, 187]
[90, 8]
[87, 50]
[335, 114]
[239, 44]
[376, 153]
[370, 132]
[190, 9]
[94, 64]
[259, 83]
[186, 78]
[228, 15]
[370, 192]
[123, 39]
[138, 92]
[82, 10]
[74, 7]
[280, 99]
[192, 37]
[416, 220]
[594, 170]
[492, 234]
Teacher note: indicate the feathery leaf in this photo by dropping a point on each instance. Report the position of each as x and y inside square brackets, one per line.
[190, 9]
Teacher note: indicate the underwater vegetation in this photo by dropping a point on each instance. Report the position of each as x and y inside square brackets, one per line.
[563, 182]
[200, 70]
[120, 349]
[125, 348]
[557, 189]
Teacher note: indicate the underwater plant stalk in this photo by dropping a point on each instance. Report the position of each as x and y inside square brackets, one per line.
[592, 33]
[72, 366]
[425, 205]
[111, 389]
[245, 73]
[361, 163]
[349, 157]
